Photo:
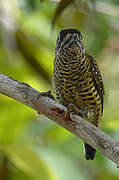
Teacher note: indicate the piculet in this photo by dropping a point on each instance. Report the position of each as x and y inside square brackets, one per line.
[77, 80]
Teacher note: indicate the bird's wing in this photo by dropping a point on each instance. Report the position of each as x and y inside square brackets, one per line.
[97, 79]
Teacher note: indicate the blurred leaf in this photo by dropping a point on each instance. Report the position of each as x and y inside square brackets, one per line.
[17, 174]
[27, 161]
[32, 4]
[29, 5]
[62, 5]
[63, 167]
[98, 42]
[99, 36]
[14, 117]
[27, 48]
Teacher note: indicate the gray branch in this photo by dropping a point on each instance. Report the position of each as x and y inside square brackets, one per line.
[25, 94]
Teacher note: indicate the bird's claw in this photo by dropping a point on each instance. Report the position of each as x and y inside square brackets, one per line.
[46, 94]
[75, 110]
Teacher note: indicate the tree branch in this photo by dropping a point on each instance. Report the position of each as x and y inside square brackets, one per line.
[25, 94]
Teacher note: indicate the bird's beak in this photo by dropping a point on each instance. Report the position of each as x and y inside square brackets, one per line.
[68, 36]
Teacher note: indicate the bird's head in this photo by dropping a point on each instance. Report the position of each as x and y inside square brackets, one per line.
[70, 40]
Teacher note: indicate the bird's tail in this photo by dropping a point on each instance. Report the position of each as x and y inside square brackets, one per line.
[90, 152]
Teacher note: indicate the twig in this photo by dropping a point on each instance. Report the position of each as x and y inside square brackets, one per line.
[25, 94]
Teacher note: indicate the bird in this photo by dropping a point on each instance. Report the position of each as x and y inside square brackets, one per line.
[78, 84]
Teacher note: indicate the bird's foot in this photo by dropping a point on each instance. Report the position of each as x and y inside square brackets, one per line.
[46, 94]
[75, 110]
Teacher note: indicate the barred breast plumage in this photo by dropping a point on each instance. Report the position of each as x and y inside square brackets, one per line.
[77, 79]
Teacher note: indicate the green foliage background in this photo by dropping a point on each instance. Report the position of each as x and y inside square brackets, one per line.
[32, 147]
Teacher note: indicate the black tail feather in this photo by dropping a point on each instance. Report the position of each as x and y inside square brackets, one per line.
[90, 152]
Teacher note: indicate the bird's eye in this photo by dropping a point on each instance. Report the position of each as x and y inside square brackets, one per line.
[80, 36]
[60, 38]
